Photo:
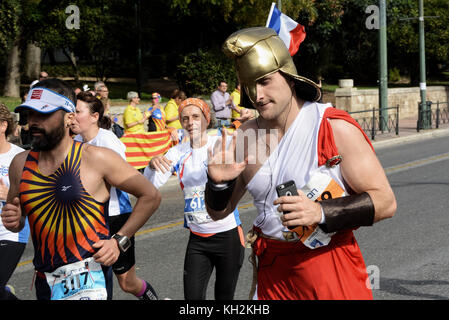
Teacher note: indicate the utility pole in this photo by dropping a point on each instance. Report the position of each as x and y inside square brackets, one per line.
[424, 116]
[422, 68]
[137, 8]
[383, 69]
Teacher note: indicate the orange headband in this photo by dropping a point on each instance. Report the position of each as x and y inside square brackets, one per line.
[197, 103]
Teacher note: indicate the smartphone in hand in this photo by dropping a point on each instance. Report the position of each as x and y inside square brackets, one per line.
[287, 189]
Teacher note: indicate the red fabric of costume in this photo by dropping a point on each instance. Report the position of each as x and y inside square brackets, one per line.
[326, 144]
[290, 270]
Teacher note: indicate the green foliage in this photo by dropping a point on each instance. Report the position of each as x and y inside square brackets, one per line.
[9, 22]
[10, 102]
[201, 71]
[65, 70]
[337, 43]
[394, 75]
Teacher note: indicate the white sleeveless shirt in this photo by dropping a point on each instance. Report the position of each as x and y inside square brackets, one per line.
[190, 166]
[5, 161]
[119, 202]
[295, 158]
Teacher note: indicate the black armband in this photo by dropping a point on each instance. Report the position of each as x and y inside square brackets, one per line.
[347, 212]
[217, 197]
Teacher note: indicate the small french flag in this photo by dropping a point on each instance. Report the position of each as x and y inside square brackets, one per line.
[291, 32]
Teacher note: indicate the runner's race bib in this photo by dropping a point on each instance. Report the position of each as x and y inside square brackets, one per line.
[320, 187]
[82, 280]
[195, 208]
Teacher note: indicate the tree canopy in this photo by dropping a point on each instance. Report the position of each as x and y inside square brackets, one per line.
[337, 44]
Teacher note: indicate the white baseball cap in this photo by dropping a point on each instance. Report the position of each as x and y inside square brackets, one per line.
[45, 100]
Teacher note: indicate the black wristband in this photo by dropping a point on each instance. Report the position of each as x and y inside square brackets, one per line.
[217, 198]
[347, 212]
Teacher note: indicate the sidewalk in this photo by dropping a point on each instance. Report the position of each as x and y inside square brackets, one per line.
[407, 132]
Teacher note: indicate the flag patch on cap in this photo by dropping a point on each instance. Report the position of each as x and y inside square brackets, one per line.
[36, 94]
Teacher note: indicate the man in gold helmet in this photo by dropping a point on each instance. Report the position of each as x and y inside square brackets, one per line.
[304, 243]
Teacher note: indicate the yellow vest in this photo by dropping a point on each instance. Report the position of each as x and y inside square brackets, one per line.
[235, 96]
[133, 114]
[171, 111]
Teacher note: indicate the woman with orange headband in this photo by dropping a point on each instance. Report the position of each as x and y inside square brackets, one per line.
[211, 244]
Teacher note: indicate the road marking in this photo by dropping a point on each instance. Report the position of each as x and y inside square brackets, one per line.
[171, 225]
[23, 263]
[142, 232]
[416, 163]
[389, 170]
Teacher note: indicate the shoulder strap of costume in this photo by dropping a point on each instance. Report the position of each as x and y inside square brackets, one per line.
[326, 144]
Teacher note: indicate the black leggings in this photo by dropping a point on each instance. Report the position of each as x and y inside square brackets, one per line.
[225, 252]
[10, 253]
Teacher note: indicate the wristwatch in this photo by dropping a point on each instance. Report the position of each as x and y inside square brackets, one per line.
[123, 242]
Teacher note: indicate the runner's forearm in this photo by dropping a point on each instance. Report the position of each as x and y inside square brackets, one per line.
[143, 210]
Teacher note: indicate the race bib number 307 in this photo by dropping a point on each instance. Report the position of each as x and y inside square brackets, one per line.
[82, 280]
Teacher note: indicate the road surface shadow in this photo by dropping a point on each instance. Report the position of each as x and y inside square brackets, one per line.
[403, 287]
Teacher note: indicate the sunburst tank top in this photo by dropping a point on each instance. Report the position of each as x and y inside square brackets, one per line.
[65, 220]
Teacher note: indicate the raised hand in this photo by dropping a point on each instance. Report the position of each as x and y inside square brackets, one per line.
[222, 165]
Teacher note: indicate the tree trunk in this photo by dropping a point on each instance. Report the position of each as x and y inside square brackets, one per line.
[33, 62]
[71, 56]
[12, 76]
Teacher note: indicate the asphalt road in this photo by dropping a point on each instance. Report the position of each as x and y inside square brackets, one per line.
[407, 256]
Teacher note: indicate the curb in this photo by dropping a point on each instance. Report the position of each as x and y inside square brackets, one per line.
[432, 133]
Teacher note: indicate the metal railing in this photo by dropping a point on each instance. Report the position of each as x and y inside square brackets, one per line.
[374, 122]
[433, 115]
[442, 114]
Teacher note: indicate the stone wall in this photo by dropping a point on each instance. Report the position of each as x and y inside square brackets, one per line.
[351, 99]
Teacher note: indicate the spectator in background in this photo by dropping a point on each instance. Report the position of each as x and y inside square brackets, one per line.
[43, 75]
[243, 114]
[133, 118]
[171, 108]
[102, 92]
[107, 106]
[156, 121]
[25, 136]
[97, 86]
[222, 105]
[236, 107]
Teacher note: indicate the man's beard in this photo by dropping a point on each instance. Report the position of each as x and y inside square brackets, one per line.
[48, 140]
